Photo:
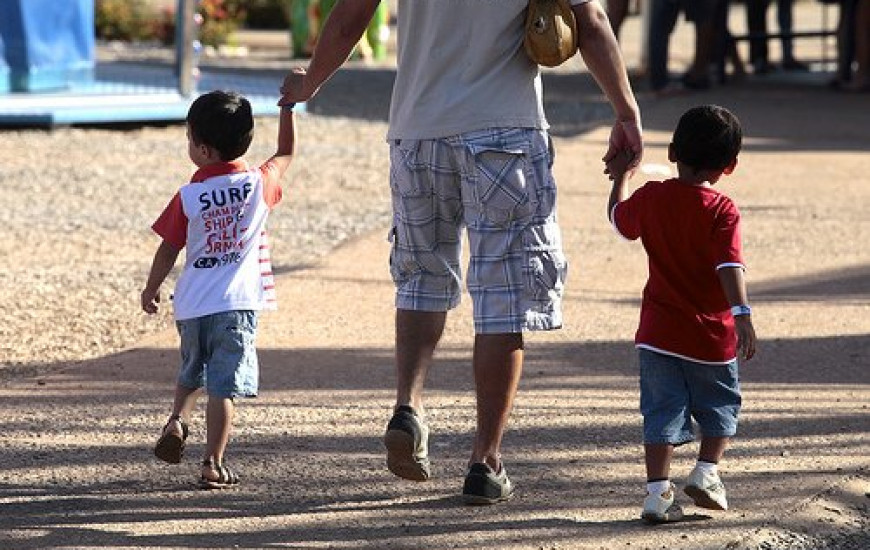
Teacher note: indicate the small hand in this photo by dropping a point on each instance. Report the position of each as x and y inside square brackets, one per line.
[619, 165]
[745, 336]
[150, 301]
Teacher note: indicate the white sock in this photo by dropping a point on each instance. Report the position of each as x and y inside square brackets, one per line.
[706, 467]
[659, 487]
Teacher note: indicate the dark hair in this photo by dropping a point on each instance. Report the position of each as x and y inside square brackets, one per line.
[222, 120]
[707, 138]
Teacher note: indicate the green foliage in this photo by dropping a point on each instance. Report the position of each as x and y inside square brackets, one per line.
[123, 20]
[220, 18]
[137, 20]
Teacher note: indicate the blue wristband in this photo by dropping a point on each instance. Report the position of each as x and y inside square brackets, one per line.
[741, 310]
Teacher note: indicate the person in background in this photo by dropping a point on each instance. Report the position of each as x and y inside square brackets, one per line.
[756, 19]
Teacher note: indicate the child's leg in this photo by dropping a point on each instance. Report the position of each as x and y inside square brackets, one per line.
[182, 405]
[232, 372]
[170, 445]
[658, 461]
[716, 405]
[666, 423]
[712, 449]
[219, 420]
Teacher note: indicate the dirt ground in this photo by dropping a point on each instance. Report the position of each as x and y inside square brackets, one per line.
[76, 469]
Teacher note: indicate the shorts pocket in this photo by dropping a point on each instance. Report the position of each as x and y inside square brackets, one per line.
[502, 183]
[403, 264]
[405, 181]
[546, 265]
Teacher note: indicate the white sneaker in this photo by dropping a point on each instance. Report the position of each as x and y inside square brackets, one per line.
[707, 490]
[661, 508]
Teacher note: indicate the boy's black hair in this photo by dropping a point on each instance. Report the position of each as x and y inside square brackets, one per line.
[707, 138]
[222, 120]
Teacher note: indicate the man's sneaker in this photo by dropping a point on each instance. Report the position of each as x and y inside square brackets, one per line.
[707, 490]
[407, 443]
[483, 485]
[661, 508]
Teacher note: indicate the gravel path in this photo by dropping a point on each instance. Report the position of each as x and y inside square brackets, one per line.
[76, 443]
[80, 243]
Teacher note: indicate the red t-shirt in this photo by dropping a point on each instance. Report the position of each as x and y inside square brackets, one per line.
[688, 232]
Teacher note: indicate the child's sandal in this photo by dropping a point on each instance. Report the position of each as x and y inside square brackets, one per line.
[226, 477]
[170, 446]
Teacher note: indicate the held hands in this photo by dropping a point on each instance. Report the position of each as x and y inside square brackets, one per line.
[295, 88]
[620, 165]
[745, 336]
[625, 140]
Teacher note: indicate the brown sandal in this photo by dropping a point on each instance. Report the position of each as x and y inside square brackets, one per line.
[170, 446]
[226, 477]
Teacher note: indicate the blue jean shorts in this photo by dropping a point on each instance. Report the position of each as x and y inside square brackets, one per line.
[673, 391]
[497, 185]
[218, 353]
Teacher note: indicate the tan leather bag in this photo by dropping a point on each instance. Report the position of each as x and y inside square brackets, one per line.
[551, 32]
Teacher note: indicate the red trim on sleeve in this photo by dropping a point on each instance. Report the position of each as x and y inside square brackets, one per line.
[272, 192]
[172, 223]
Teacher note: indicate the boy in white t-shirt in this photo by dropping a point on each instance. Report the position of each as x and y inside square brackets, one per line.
[220, 217]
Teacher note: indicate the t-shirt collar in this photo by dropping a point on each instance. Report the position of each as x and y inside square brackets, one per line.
[219, 169]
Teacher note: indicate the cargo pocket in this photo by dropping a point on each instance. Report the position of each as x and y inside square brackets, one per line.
[412, 203]
[501, 185]
[546, 265]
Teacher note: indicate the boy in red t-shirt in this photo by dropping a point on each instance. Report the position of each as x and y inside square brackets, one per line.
[695, 316]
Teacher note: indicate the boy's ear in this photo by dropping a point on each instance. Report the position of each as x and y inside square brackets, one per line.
[730, 168]
[671, 156]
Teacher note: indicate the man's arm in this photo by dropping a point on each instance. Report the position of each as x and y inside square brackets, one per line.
[343, 28]
[600, 51]
[164, 260]
[734, 287]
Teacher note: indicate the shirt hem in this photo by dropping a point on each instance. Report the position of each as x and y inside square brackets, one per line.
[212, 311]
[686, 357]
[448, 131]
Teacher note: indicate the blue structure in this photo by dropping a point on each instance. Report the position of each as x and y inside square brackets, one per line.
[49, 76]
[47, 45]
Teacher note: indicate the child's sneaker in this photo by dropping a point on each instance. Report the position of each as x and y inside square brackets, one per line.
[707, 490]
[661, 508]
[407, 443]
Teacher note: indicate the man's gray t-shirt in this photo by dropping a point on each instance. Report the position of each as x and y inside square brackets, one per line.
[462, 67]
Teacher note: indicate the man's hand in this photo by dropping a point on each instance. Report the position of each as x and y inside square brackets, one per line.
[745, 336]
[625, 137]
[294, 89]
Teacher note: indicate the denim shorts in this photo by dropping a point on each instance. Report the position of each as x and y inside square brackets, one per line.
[217, 353]
[497, 184]
[673, 391]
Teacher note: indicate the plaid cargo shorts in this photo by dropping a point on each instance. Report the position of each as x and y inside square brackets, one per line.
[498, 185]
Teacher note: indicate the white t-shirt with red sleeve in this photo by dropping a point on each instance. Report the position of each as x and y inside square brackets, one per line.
[688, 232]
[220, 217]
